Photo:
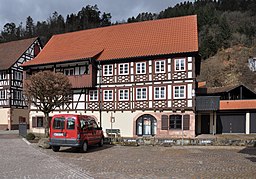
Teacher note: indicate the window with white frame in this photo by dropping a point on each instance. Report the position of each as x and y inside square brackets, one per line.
[69, 71]
[180, 64]
[17, 95]
[2, 75]
[159, 92]
[93, 95]
[141, 68]
[160, 66]
[124, 69]
[2, 94]
[179, 92]
[108, 95]
[17, 75]
[108, 70]
[141, 93]
[124, 95]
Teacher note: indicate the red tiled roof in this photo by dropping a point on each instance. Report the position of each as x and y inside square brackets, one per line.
[10, 52]
[158, 37]
[237, 104]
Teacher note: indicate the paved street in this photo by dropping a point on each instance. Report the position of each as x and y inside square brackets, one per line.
[20, 160]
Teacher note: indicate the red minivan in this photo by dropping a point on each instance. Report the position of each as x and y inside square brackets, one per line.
[71, 130]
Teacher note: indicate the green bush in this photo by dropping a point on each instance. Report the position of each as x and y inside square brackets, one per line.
[30, 136]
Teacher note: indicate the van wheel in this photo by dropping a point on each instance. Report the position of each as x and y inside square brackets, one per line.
[84, 147]
[56, 148]
[100, 144]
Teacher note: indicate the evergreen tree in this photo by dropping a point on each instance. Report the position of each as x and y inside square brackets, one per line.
[9, 32]
[30, 28]
[105, 19]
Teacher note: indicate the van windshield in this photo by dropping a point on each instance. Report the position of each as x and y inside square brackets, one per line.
[59, 123]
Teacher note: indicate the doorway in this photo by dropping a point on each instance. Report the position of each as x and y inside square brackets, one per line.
[205, 124]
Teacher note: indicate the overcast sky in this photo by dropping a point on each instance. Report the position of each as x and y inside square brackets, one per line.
[18, 10]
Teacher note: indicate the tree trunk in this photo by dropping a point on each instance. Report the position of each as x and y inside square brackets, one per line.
[46, 126]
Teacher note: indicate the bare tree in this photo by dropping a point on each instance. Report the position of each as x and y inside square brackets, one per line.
[47, 91]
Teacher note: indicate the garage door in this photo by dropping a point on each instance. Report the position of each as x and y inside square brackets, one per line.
[253, 123]
[231, 123]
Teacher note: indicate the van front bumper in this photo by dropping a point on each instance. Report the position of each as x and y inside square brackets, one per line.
[65, 142]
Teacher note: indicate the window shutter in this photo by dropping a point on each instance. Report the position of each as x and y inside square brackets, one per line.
[186, 119]
[164, 122]
[34, 122]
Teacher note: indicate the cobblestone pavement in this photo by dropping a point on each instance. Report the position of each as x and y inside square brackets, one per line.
[22, 161]
[162, 162]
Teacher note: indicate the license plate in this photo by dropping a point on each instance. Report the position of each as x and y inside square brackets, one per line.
[58, 134]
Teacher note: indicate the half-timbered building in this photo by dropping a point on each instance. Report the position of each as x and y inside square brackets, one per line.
[139, 78]
[13, 108]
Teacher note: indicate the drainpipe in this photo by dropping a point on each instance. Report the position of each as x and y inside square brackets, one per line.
[100, 81]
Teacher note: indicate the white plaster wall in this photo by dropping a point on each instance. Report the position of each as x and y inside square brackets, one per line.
[126, 122]
[4, 115]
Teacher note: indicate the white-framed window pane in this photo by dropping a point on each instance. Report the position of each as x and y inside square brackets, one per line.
[138, 93]
[160, 66]
[124, 69]
[108, 70]
[156, 93]
[182, 91]
[2, 94]
[93, 95]
[159, 92]
[138, 68]
[124, 94]
[162, 92]
[144, 93]
[108, 95]
[121, 94]
[141, 93]
[141, 68]
[180, 64]
[179, 91]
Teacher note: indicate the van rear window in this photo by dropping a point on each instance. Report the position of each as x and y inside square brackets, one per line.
[71, 123]
[59, 123]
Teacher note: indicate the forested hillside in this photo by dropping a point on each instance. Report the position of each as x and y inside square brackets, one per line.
[229, 67]
[88, 17]
[222, 24]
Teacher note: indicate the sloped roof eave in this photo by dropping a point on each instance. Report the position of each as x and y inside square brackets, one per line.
[15, 57]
